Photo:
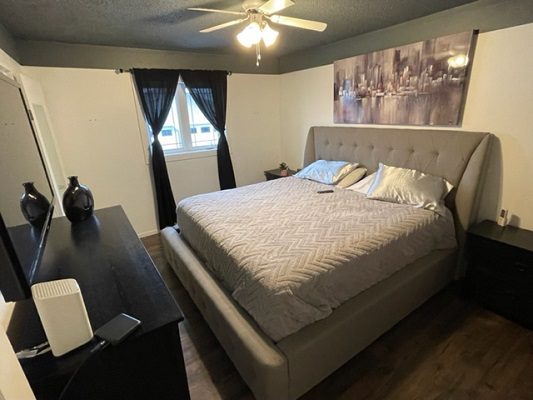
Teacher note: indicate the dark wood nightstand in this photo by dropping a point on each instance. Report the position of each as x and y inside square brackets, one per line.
[276, 173]
[500, 270]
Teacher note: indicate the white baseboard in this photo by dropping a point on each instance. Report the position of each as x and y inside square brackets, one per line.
[148, 233]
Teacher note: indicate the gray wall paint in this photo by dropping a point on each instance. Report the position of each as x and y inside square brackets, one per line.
[7, 43]
[51, 54]
[485, 15]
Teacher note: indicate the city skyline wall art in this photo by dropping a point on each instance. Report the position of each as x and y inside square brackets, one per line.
[422, 83]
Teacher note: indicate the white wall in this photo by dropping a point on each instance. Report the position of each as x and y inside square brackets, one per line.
[253, 120]
[306, 100]
[500, 101]
[101, 138]
[94, 119]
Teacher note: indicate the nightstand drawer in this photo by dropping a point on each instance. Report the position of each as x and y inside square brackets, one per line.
[509, 269]
[493, 293]
[504, 299]
[505, 262]
[500, 270]
[524, 311]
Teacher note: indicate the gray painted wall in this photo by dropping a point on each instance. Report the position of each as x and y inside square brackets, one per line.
[485, 15]
[51, 54]
[7, 43]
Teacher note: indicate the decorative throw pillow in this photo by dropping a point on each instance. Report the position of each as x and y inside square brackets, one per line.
[363, 185]
[355, 176]
[409, 186]
[328, 172]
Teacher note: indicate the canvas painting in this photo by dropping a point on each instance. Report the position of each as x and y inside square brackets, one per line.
[422, 83]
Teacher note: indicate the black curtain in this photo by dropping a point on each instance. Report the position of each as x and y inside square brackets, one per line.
[209, 91]
[156, 88]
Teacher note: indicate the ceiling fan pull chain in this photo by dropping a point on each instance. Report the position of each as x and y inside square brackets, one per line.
[258, 53]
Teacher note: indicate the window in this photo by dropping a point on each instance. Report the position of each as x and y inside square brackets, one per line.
[186, 129]
[167, 131]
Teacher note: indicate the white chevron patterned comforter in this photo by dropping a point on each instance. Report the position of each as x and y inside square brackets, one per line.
[289, 255]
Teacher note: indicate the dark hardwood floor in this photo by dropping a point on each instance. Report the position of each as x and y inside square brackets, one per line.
[449, 348]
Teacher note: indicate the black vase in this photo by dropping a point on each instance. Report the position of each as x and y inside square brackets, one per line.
[34, 205]
[78, 202]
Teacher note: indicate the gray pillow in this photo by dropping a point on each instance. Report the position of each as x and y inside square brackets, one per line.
[409, 186]
[328, 172]
[355, 176]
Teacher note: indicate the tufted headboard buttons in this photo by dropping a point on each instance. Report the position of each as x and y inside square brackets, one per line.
[457, 156]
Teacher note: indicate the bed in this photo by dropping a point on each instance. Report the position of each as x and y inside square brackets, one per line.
[284, 365]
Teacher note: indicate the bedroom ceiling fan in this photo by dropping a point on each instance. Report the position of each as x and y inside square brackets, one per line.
[257, 14]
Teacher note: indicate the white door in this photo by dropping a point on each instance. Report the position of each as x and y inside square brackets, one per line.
[41, 123]
[13, 383]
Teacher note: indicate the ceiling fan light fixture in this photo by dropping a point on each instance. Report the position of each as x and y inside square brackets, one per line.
[269, 35]
[250, 35]
[258, 14]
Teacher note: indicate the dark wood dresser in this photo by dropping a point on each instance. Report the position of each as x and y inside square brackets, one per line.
[115, 275]
[500, 270]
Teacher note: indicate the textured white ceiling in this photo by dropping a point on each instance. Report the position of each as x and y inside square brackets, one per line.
[159, 24]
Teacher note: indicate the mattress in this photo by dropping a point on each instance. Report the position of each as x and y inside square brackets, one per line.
[289, 255]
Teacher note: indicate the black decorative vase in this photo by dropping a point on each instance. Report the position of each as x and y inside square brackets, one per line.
[34, 205]
[78, 202]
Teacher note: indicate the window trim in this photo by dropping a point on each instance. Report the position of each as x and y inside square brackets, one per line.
[190, 155]
[181, 105]
[180, 100]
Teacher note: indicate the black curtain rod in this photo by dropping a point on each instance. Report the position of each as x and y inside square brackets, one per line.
[123, 71]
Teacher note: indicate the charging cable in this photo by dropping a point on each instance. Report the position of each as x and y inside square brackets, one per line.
[34, 351]
[44, 348]
[102, 344]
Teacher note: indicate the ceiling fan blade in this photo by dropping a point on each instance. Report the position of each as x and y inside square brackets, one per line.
[273, 6]
[216, 11]
[222, 26]
[299, 23]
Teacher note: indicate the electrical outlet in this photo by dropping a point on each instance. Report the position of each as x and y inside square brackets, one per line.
[502, 218]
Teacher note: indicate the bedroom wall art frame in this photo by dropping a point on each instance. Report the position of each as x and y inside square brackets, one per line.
[422, 83]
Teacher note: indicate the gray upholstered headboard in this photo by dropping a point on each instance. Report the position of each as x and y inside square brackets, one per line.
[457, 156]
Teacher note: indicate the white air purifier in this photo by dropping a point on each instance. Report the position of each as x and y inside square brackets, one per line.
[63, 315]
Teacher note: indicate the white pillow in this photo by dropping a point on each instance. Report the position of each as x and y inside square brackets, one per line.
[409, 186]
[328, 172]
[363, 185]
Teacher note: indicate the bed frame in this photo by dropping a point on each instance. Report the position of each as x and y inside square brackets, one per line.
[289, 368]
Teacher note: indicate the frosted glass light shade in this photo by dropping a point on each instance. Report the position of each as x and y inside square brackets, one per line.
[250, 35]
[269, 35]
